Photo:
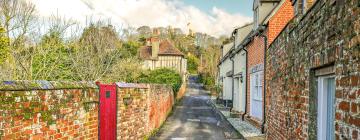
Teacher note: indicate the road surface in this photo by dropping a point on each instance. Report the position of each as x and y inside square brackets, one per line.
[194, 119]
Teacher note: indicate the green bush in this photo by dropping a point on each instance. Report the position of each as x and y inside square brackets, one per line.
[163, 76]
[129, 49]
[207, 80]
[192, 64]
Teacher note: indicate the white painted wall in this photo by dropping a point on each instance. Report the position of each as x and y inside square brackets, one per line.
[242, 32]
[227, 86]
[239, 87]
[227, 48]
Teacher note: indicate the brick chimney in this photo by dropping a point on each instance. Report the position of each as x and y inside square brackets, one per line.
[154, 40]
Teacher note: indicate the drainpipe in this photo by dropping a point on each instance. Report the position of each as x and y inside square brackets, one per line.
[232, 84]
[232, 78]
[246, 83]
[261, 30]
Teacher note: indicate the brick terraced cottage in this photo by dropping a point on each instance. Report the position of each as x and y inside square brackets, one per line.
[313, 73]
[248, 59]
[255, 47]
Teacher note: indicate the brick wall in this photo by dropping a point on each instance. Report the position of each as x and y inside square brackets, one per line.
[161, 100]
[48, 110]
[279, 20]
[147, 110]
[255, 58]
[328, 35]
[181, 92]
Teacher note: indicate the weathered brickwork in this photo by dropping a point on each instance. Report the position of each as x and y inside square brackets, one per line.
[142, 108]
[132, 113]
[48, 110]
[255, 59]
[181, 92]
[327, 35]
[161, 99]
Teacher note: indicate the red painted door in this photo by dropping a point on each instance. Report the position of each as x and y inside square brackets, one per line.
[107, 112]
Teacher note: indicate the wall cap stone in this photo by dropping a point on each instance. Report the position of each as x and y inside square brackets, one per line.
[131, 85]
[44, 85]
[140, 85]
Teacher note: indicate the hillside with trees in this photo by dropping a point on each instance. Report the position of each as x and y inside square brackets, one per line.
[32, 48]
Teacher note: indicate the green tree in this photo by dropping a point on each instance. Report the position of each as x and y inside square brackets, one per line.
[125, 70]
[4, 47]
[129, 49]
[192, 64]
[50, 59]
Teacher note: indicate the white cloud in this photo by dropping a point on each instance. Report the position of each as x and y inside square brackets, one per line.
[136, 13]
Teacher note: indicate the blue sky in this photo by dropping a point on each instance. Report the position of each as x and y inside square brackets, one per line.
[214, 17]
[243, 7]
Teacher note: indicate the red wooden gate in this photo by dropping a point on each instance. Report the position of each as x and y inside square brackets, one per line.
[107, 112]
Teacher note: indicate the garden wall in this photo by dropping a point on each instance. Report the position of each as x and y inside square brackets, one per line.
[142, 108]
[48, 110]
[69, 110]
[181, 91]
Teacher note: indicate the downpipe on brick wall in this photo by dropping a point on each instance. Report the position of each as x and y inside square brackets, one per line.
[261, 30]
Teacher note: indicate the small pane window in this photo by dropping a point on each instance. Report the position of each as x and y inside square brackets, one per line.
[326, 108]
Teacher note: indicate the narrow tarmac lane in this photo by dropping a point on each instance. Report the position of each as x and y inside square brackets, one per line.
[194, 119]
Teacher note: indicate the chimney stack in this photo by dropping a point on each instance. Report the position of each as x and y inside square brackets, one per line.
[155, 43]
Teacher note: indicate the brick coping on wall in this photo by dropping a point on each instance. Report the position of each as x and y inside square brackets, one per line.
[21, 85]
[138, 85]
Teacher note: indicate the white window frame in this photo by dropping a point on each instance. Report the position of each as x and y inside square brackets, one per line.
[325, 116]
[257, 85]
[256, 100]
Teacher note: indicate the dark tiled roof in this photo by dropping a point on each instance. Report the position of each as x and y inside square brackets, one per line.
[165, 49]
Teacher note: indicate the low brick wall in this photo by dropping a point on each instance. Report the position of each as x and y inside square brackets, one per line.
[48, 110]
[181, 92]
[142, 108]
[69, 110]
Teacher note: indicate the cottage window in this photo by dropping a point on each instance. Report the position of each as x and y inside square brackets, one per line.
[326, 108]
[256, 94]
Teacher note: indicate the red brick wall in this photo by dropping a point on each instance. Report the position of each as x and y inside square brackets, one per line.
[132, 117]
[148, 109]
[48, 110]
[328, 35]
[181, 91]
[279, 20]
[161, 100]
[255, 56]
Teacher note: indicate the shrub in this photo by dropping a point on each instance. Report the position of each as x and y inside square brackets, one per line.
[163, 76]
[207, 80]
[192, 64]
